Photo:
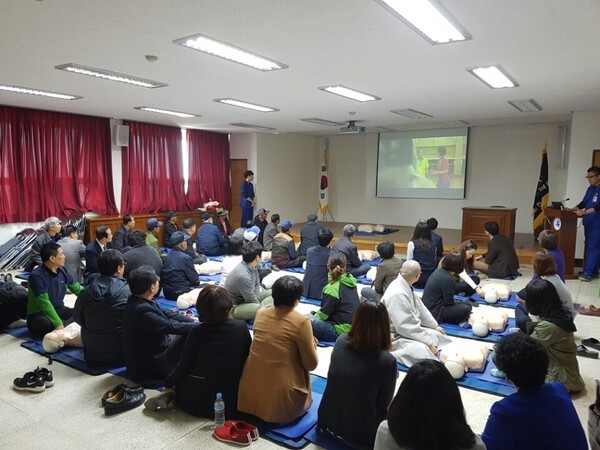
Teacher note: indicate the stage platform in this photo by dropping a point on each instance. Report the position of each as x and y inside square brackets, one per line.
[525, 243]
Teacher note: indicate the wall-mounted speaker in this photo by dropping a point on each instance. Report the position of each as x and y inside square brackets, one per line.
[120, 135]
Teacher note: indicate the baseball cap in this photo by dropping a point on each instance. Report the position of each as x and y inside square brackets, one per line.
[153, 222]
[263, 211]
[177, 238]
[251, 233]
[286, 224]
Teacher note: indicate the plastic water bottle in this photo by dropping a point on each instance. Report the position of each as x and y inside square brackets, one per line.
[219, 410]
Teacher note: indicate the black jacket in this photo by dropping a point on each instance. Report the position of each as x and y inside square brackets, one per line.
[308, 237]
[316, 274]
[147, 334]
[99, 310]
[178, 274]
[142, 255]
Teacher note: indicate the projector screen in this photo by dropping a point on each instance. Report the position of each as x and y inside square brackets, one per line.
[422, 164]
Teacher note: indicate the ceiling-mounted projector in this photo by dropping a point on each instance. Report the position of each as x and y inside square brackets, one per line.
[352, 128]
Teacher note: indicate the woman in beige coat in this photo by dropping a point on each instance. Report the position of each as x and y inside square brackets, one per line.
[275, 383]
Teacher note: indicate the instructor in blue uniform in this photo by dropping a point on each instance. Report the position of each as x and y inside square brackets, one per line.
[588, 209]
[247, 198]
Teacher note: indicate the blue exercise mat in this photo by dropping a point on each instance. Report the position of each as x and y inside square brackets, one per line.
[22, 276]
[364, 280]
[216, 277]
[493, 336]
[69, 356]
[510, 303]
[311, 301]
[295, 270]
[374, 262]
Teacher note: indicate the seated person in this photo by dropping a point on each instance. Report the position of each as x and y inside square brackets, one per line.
[189, 228]
[153, 225]
[221, 221]
[153, 339]
[119, 240]
[345, 246]
[283, 251]
[48, 233]
[501, 259]
[416, 335]
[210, 241]
[275, 383]
[361, 379]
[212, 360]
[13, 304]
[260, 221]
[339, 300]
[438, 295]
[467, 284]
[388, 269]
[544, 267]
[308, 234]
[422, 249]
[141, 254]
[540, 415]
[170, 227]
[48, 284]
[233, 258]
[178, 273]
[549, 242]
[270, 232]
[93, 250]
[99, 310]
[316, 273]
[74, 250]
[428, 395]
[243, 283]
[554, 330]
[437, 240]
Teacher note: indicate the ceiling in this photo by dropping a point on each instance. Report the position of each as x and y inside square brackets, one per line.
[550, 47]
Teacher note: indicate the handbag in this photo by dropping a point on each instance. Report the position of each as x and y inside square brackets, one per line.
[594, 421]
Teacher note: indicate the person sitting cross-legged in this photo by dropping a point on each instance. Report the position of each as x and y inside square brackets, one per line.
[271, 231]
[99, 310]
[153, 225]
[178, 273]
[309, 234]
[283, 251]
[189, 228]
[140, 254]
[387, 270]
[501, 259]
[74, 250]
[316, 272]
[345, 246]
[170, 227]
[119, 240]
[243, 283]
[93, 250]
[210, 241]
[540, 415]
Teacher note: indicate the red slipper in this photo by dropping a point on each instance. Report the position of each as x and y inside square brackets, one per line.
[245, 426]
[232, 434]
[589, 311]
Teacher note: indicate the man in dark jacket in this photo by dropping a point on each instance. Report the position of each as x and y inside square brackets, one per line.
[260, 220]
[178, 273]
[140, 254]
[315, 277]
[345, 245]
[170, 228]
[93, 250]
[210, 240]
[99, 310]
[119, 240]
[308, 234]
[150, 348]
[501, 259]
[47, 233]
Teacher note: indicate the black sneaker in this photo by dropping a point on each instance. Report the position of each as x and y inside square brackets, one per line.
[31, 382]
[46, 376]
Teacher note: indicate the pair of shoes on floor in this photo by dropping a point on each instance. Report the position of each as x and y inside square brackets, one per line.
[163, 401]
[237, 432]
[589, 310]
[582, 350]
[36, 381]
[122, 398]
[591, 342]
[586, 278]
[581, 272]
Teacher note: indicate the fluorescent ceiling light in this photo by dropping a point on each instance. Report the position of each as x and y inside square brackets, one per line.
[456, 123]
[254, 127]
[165, 111]
[353, 94]
[329, 123]
[242, 104]
[109, 75]
[429, 18]
[229, 52]
[528, 105]
[24, 90]
[494, 76]
[413, 114]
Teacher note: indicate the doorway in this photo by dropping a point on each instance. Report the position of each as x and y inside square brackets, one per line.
[238, 167]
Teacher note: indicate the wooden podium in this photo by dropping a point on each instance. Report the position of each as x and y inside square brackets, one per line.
[474, 218]
[564, 224]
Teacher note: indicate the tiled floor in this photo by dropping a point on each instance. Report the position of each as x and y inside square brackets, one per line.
[69, 414]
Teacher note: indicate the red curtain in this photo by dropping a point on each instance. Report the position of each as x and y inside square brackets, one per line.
[53, 164]
[208, 168]
[152, 170]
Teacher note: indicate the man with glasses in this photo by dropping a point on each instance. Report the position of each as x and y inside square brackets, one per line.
[588, 209]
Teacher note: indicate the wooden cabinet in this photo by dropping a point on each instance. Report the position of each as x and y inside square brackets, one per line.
[474, 218]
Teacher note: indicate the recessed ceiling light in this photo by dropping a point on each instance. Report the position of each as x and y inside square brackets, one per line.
[413, 114]
[494, 76]
[165, 111]
[527, 105]
[329, 123]
[24, 90]
[428, 18]
[353, 94]
[229, 52]
[254, 127]
[110, 75]
[456, 123]
[242, 104]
